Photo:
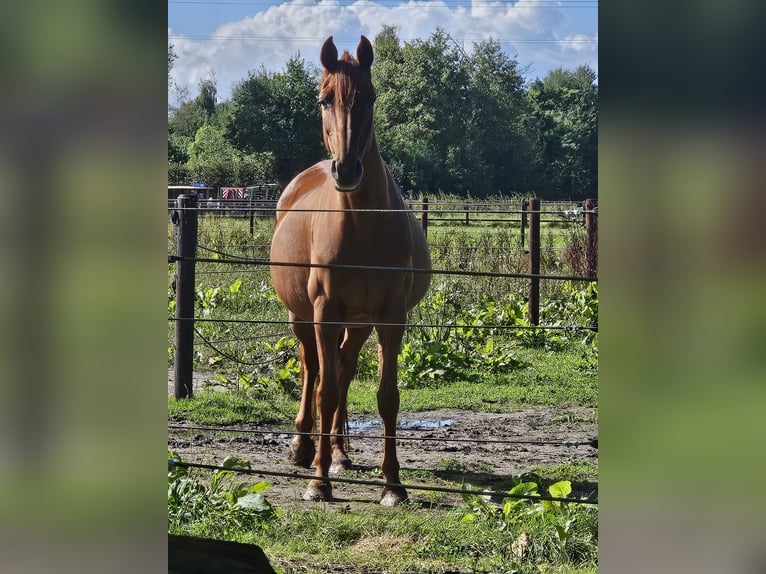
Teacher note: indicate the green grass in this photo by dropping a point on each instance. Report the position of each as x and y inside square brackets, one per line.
[409, 539]
[578, 470]
[233, 407]
[556, 379]
[562, 378]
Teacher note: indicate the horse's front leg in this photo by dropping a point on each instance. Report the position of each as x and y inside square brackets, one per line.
[302, 449]
[390, 339]
[327, 403]
[348, 359]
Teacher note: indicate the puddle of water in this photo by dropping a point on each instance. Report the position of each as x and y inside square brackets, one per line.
[410, 424]
[377, 424]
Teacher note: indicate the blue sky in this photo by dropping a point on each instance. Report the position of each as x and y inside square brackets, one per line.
[228, 38]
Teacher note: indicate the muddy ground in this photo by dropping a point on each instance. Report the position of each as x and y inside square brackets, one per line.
[487, 464]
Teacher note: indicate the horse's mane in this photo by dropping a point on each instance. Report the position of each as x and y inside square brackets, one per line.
[346, 80]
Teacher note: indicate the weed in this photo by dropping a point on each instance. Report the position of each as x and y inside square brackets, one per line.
[223, 502]
[485, 467]
[565, 529]
[452, 465]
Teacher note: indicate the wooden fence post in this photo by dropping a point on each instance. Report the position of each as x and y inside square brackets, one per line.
[534, 261]
[424, 217]
[524, 207]
[466, 214]
[185, 218]
[591, 239]
[252, 214]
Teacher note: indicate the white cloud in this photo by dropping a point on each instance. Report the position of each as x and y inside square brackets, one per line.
[538, 35]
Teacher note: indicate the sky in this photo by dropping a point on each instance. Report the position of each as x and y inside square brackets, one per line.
[229, 38]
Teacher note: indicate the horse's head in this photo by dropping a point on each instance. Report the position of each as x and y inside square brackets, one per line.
[346, 97]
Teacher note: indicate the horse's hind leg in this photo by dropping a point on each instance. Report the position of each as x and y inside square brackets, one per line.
[346, 365]
[302, 449]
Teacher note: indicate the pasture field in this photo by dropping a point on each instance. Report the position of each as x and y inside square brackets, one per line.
[489, 376]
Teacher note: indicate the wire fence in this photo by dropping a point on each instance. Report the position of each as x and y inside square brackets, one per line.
[224, 255]
[249, 262]
[409, 486]
[399, 437]
[233, 260]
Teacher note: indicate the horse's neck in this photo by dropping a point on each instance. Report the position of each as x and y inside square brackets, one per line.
[373, 192]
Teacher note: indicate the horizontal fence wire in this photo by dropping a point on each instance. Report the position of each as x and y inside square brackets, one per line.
[217, 248]
[243, 339]
[437, 212]
[430, 488]
[593, 443]
[244, 261]
[260, 270]
[224, 354]
[474, 207]
[353, 324]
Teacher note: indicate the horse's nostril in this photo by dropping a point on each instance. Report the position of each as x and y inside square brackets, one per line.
[334, 169]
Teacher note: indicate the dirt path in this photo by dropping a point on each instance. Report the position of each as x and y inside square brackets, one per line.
[489, 465]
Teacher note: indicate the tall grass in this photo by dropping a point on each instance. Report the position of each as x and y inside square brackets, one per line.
[244, 292]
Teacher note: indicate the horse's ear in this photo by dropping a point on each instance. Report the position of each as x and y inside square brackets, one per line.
[329, 55]
[364, 52]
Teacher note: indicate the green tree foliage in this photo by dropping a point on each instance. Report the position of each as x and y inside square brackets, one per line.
[171, 58]
[565, 104]
[501, 136]
[452, 121]
[191, 115]
[277, 113]
[421, 89]
[206, 99]
[216, 162]
[178, 149]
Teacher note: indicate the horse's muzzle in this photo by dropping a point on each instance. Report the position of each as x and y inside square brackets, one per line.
[347, 173]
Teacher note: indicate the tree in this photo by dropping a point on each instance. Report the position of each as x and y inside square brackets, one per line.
[191, 115]
[216, 162]
[565, 104]
[452, 121]
[206, 100]
[421, 89]
[171, 58]
[277, 113]
[500, 132]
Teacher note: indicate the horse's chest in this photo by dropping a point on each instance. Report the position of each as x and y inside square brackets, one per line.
[360, 291]
[356, 244]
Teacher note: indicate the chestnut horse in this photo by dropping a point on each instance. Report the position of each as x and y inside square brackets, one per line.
[346, 211]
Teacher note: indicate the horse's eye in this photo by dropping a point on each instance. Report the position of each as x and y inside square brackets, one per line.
[324, 103]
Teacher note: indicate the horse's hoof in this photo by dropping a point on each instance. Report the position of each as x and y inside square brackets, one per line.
[393, 496]
[302, 451]
[322, 491]
[340, 464]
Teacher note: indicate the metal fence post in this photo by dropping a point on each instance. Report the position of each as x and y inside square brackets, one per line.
[185, 218]
[534, 261]
[591, 239]
[424, 218]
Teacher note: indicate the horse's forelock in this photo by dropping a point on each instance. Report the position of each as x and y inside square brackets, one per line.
[347, 80]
